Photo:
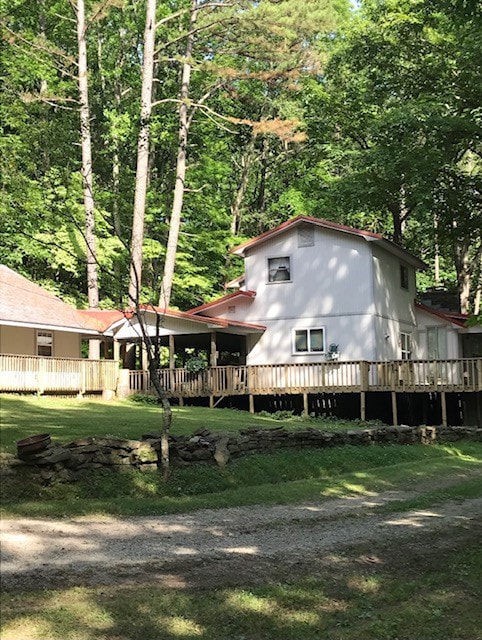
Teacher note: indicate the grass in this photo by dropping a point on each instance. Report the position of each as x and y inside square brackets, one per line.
[287, 476]
[425, 589]
[420, 592]
[66, 419]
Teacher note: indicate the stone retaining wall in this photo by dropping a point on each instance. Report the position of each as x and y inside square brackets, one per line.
[66, 462]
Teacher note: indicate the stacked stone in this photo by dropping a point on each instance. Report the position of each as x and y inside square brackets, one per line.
[67, 462]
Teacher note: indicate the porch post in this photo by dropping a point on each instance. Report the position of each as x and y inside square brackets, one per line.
[214, 353]
[172, 350]
[117, 355]
[363, 406]
[144, 358]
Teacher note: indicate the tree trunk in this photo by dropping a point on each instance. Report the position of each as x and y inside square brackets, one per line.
[246, 163]
[169, 264]
[463, 268]
[142, 169]
[87, 182]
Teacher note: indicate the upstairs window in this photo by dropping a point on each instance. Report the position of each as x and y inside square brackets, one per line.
[309, 340]
[45, 343]
[404, 277]
[406, 346]
[279, 269]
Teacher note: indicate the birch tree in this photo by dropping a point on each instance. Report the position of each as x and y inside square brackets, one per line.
[86, 170]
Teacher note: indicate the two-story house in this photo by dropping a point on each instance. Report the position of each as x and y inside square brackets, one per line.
[323, 291]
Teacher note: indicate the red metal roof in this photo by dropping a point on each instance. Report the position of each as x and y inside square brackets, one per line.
[449, 316]
[297, 220]
[188, 315]
[328, 224]
[229, 296]
[103, 318]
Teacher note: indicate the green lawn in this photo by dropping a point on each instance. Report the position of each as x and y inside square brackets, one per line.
[66, 419]
[287, 476]
[426, 589]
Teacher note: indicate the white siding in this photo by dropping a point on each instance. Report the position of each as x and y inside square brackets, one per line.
[353, 334]
[330, 287]
[330, 278]
[394, 305]
[425, 320]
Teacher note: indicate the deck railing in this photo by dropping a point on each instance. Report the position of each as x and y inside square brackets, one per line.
[41, 375]
[335, 377]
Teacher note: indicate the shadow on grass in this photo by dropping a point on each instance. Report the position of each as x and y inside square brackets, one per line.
[424, 590]
[279, 478]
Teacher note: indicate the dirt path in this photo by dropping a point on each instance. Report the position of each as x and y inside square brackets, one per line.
[193, 549]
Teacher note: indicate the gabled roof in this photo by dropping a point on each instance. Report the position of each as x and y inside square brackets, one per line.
[369, 236]
[451, 317]
[102, 318]
[229, 297]
[24, 303]
[206, 321]
[236, 283]
[188, 315]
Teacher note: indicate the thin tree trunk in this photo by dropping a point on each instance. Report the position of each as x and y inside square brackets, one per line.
[142, 170]
[92, 277]
[178, 200]
[478, 292]
[246, 163]
[463, 268]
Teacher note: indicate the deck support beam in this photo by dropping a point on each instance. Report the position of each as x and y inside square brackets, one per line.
[443, 402]
[306, 410]
[394, 409]
[363, 406]
[251, 403]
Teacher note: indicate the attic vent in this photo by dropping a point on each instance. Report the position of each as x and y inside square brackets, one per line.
[306, 236]
[232, 309]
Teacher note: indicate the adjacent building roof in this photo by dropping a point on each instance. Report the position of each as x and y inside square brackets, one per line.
[369, 236]
[450, 317]
[229, 297]
[26, 304]
[125, 329]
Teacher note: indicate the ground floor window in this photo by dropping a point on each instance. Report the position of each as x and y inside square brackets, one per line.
[309, 340]
[406, 346]
[45, 343]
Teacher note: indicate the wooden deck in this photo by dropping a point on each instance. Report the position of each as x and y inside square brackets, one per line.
[419, 376]
[42, 375]
[51, 375]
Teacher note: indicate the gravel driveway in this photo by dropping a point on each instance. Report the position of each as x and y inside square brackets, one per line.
[39, 553]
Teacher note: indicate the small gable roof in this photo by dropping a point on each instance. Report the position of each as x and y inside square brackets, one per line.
[24, 303]
[369, 236]
[450, 317]
[230, 297]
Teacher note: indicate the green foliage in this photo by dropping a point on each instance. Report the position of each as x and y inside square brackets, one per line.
[383, 133]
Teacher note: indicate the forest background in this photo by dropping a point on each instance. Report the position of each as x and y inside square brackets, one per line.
[367, 115]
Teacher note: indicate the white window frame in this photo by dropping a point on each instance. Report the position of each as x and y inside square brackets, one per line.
[406, 346]
[46, 334]
[290, 269]
[309, 351]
